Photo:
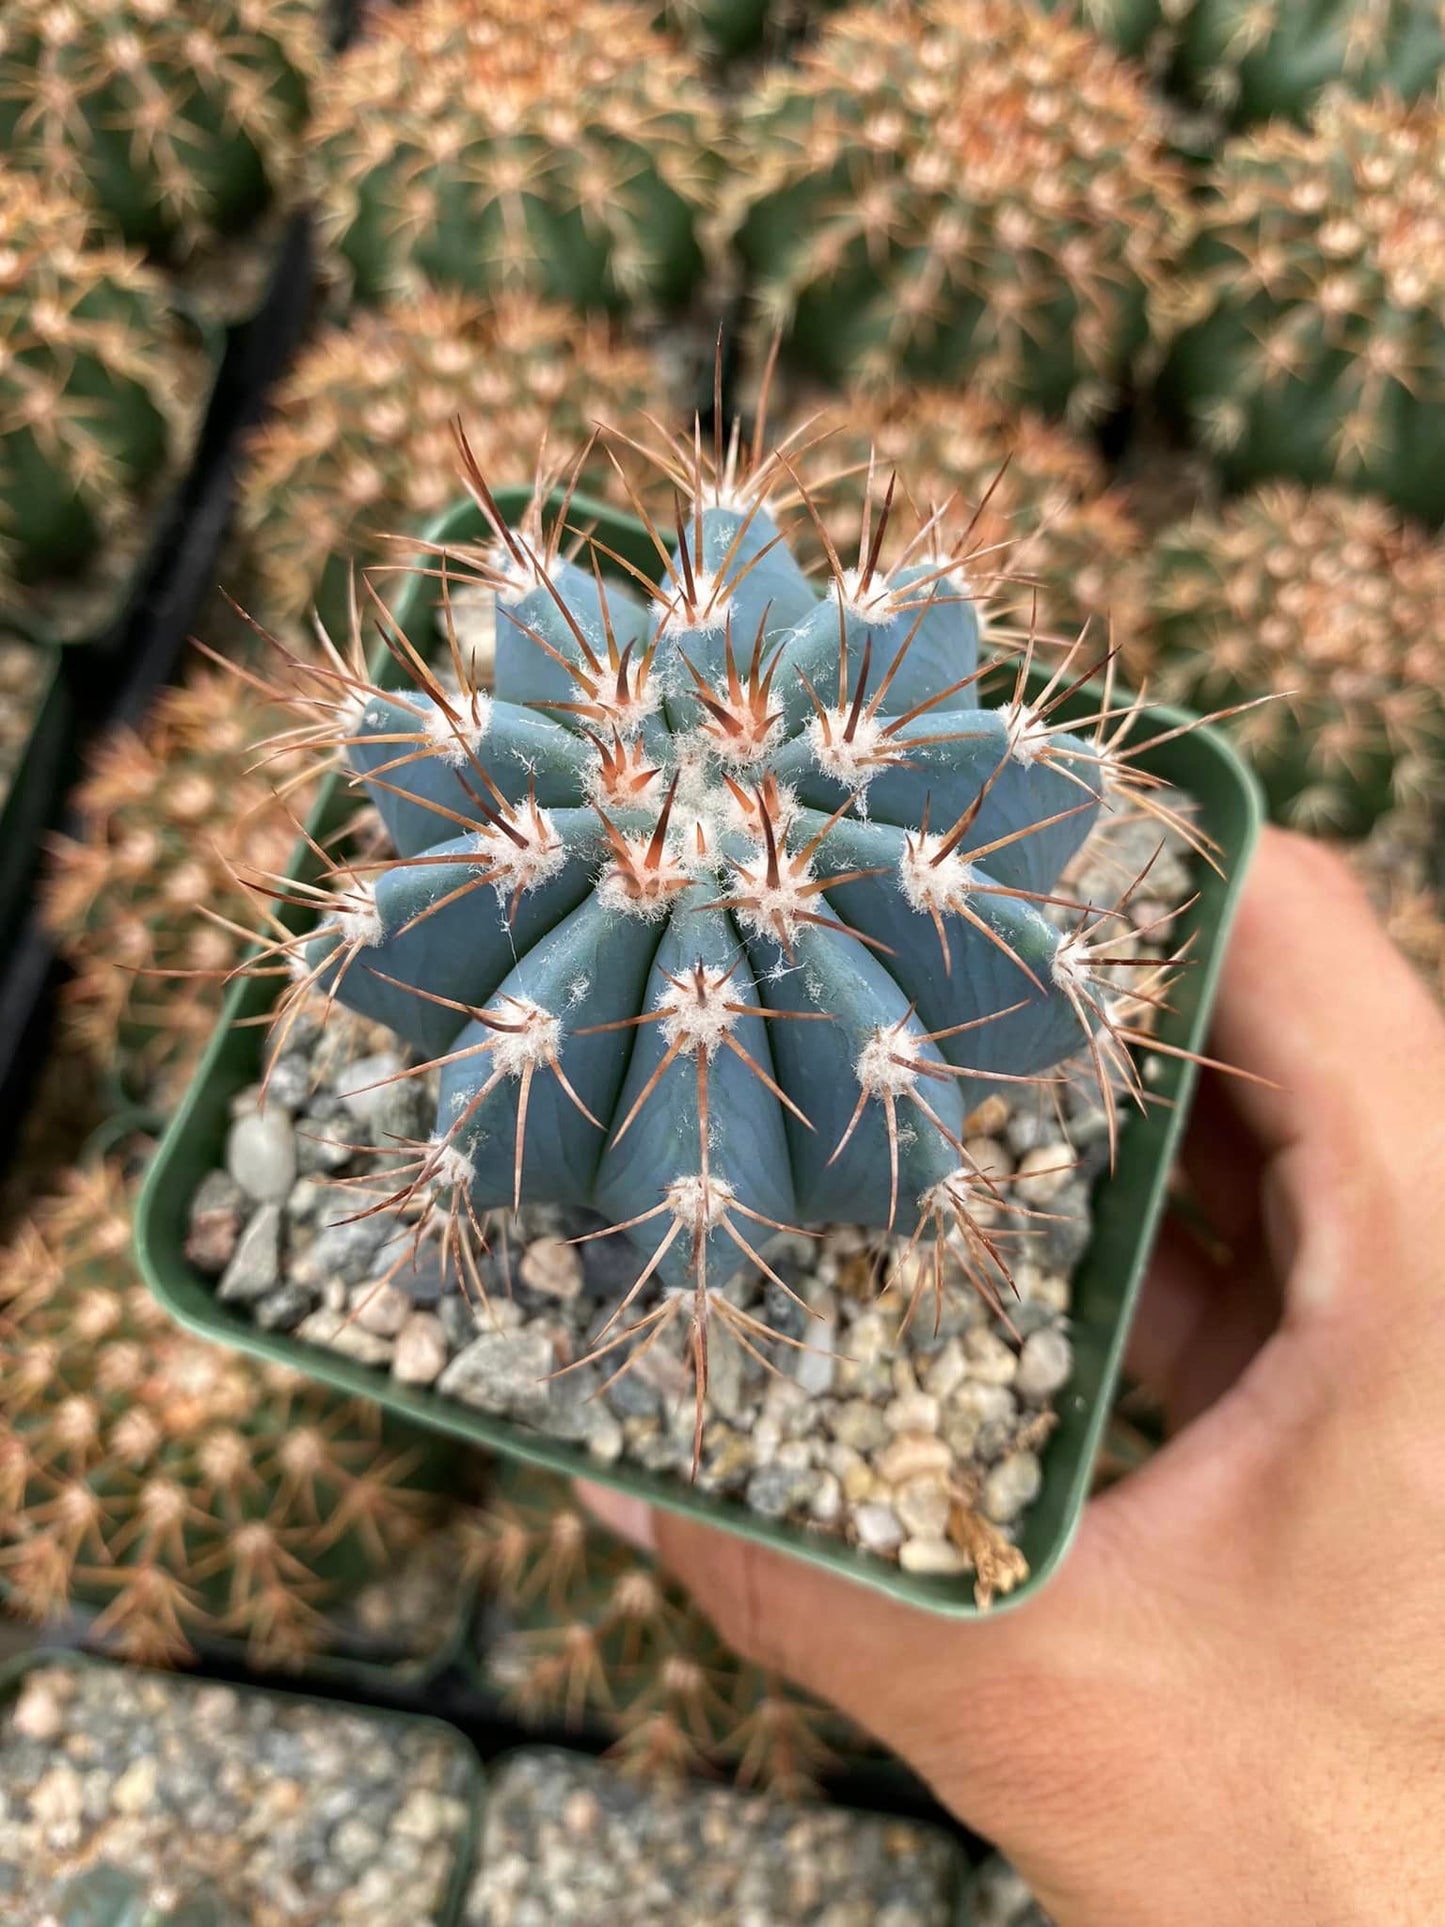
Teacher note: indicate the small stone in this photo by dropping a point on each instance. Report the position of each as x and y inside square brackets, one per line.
[421, 1350]
[1045, 1362]
[604, 1440]
[1047, 1289]
[323, 1143]
[551, 1267]
[261, 1155]
[306, 1199]
[991, 1361]
[460, 1320]
[987, 1119]
[340, 1333]
[922, 1505]
[876, 1528]
[380, 1308]
[346, 1251]
[946, 1372]
[1011, 1485]
[988, 1157]
[861, 1425]
[255, 1265]
[859, 1482]
[218, 1213]
[825, 1503]
[354, 1843]
[136, 1787]
[284, 1308]
[634, 1396]
[503, 1372]
[363, 1088]
[816, 1368]
[913, 1412]
[911, 1455]
[39, 1712]
[1043, 1173]
[774, 1490]
[58, 1799]
[288, 1082]
[931, 1555]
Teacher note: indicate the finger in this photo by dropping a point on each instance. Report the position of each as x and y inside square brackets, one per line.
[1201, 1319]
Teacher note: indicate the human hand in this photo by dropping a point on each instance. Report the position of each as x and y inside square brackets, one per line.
[1229, 1706]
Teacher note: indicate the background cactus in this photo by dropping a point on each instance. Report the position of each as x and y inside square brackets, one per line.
[144, 883]
[1133, 26]
[359, 439]
[99, 389]
[1333, 605]
[723, 911]
[176, 1486]
[1258, 58]
[963, 189]
[549, 145]
[1313, 343]
[175, 119]
[1055, 543]
[584, 1632]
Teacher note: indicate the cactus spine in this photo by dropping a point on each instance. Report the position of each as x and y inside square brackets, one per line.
[1259, 58]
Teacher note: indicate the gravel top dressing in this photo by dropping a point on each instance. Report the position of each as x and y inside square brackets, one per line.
[908, 1425]
[239, 1805]
[571, 1840]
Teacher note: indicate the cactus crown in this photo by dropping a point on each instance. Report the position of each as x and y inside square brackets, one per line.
[963, 184]
[1336, 606]
[722, 909]
[97, 386]
[360, 440]
[178, 1486]
[1315, 342]
[540, 144]
[176, 121]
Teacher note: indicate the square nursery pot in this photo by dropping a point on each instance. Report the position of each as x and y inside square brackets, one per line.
[1127, 1206]
[13, 1674]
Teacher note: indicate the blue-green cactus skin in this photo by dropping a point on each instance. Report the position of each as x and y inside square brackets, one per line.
[521, 886]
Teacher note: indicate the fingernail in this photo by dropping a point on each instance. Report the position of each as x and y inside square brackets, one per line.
[629, 1518]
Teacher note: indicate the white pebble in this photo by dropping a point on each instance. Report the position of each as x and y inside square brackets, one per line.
[988, 1157]
[1043, 1173]
[551, 1267]
[1045, 1362]
[914, 1412]
[261, 1155]
[421, 1350]
[911, 1455]
[1012, 1484]
[990, 1360]
[876, 1528]
[931, 1556]
[380, 1308]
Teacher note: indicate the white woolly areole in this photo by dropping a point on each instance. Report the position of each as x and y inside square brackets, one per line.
[1027, 732]
[632, 889]
[520, 577]
[525, 865]
[933, 883]
[771, 909]
[853, 761]
[357, 917]
[745, 821]
[451, 1168]
[876, 603]
[1072, 967]
[456, 742]
[625, 714]
[699, 1203]
[704, 613]
[877, 1069]
[534, 1040]
[697, 1017]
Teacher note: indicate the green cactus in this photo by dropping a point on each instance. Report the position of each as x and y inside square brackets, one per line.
[561, 147]
[583, 1631]
[1334, 606]
[174, 1487]
[1259, 58]
[1311, 322]
[175, 119]
[724, 910]
[959, 189]
[99, 389]
[1135, 27]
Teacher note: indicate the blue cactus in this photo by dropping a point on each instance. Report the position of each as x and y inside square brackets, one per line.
[725, 905]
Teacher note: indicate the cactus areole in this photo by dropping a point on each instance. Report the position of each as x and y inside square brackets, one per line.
[722, 908]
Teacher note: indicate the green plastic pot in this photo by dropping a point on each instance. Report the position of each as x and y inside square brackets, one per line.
[13, 1673]
[1127, 1206]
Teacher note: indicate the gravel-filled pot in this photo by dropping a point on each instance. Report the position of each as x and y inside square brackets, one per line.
[1123, 1210]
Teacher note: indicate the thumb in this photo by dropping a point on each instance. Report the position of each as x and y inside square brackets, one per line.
[961, 1702]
